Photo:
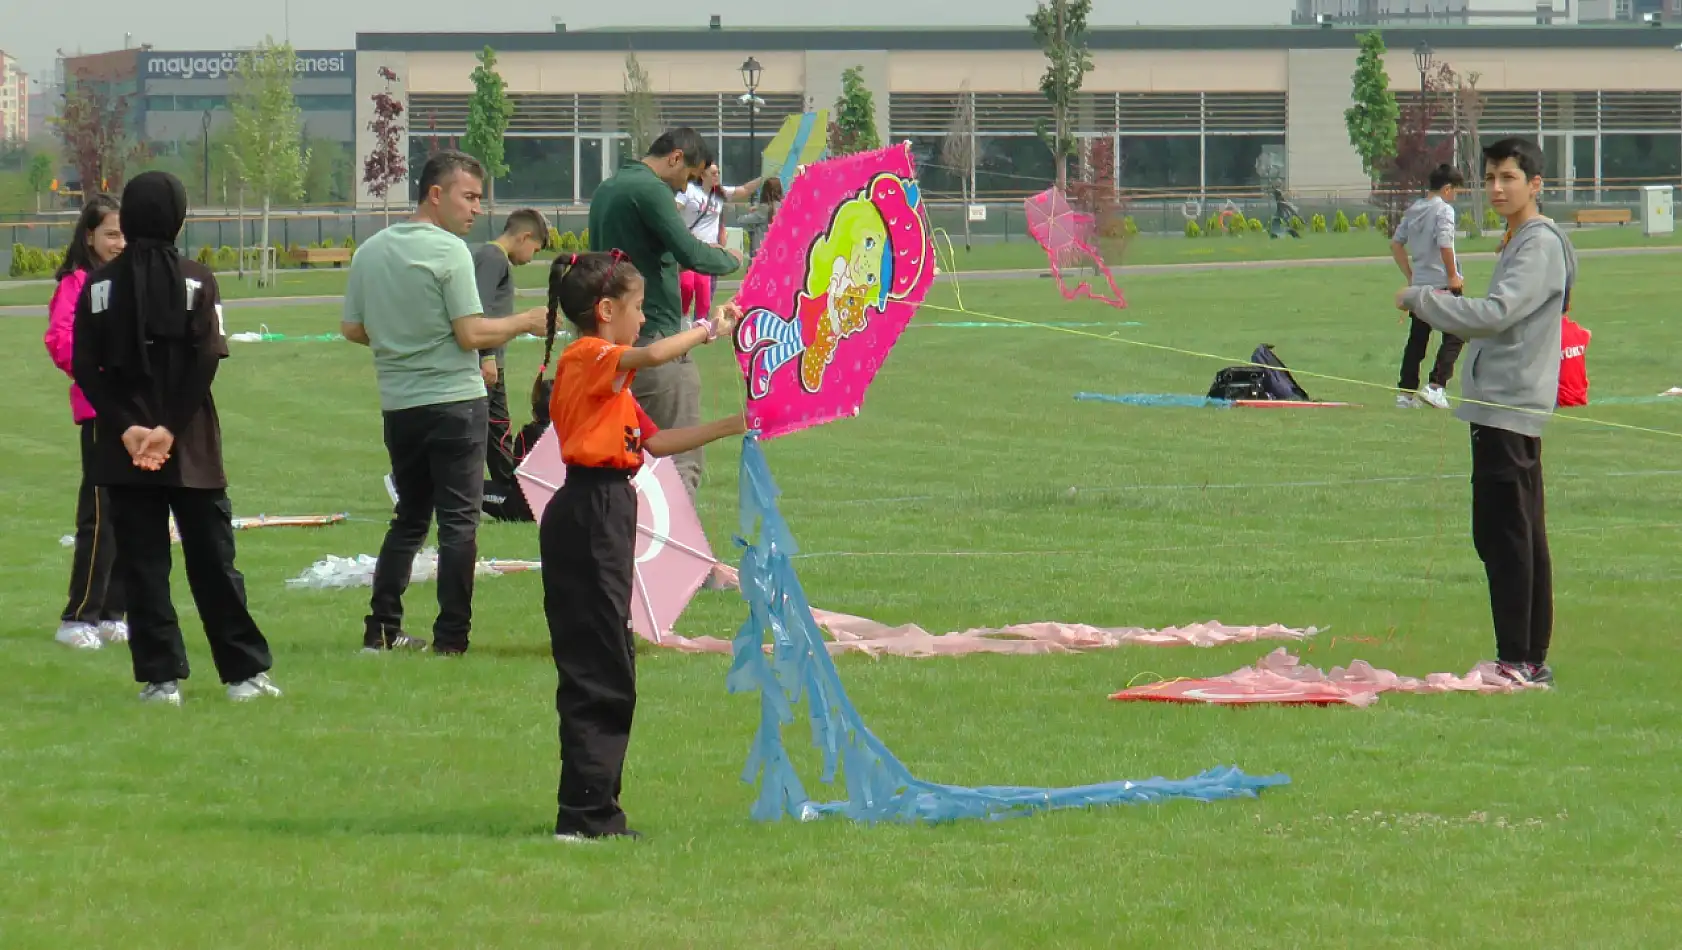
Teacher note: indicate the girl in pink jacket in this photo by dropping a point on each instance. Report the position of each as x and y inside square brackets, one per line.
[94, 614]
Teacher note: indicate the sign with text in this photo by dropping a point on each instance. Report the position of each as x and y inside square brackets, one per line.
[309, 64]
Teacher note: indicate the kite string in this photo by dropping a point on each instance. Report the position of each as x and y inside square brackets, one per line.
[1442, 455]
[957, 291]
[1114, 338]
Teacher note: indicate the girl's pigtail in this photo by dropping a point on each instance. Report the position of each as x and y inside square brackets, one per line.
[557, 274]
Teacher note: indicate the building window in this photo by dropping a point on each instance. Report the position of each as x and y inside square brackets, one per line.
[326, 103]
[539, 167]
[1628, 160]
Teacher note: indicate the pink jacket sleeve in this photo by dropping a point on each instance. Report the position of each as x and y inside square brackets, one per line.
[61, 318]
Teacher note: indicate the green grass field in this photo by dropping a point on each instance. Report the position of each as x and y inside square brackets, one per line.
[404, 801]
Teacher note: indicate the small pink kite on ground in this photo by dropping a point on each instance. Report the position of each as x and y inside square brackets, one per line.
[846, 263]
[1070, 239]
[672, 559]
[1280, 678]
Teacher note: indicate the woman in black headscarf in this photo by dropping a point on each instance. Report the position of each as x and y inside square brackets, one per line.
[148, 338]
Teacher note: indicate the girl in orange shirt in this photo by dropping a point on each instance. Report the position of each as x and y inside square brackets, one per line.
[587, 534]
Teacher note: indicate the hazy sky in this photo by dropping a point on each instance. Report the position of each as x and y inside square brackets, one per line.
[333, 24]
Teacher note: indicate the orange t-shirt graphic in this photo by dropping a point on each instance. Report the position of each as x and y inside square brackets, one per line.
[598, 421]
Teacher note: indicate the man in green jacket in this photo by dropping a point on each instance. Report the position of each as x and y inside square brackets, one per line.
[635, 212]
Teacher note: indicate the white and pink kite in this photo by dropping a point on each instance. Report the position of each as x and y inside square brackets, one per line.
[673, 559]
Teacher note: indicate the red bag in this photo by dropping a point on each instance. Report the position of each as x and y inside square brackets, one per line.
[1573, 363]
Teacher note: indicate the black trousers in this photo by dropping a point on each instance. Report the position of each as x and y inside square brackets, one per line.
[96, 591]
[1419, 340]
[1510, 532]
[588, 543]
[205, 520]
[499, 450]
[437, 464]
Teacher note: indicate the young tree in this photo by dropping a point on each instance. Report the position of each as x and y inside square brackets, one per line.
[642, 113]
[1425, 138]
[854, 127]
[1470, 104]
[40, 176]
[1372, 118]
[93, 124]
[326, 172]
[488, 113]
[268, 133]
[385, 166]
[957, 153]
[1060, 31]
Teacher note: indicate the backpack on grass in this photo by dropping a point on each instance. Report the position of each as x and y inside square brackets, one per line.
[1268, 379]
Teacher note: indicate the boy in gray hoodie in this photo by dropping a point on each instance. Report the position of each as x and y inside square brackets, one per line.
[1423, 247]
[1509, 389]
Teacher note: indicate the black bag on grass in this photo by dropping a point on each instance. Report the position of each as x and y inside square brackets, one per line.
[1268, 380]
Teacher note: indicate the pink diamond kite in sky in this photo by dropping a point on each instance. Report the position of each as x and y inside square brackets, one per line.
[1070, 239]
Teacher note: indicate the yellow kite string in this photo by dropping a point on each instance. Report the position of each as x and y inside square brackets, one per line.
[1116, 338]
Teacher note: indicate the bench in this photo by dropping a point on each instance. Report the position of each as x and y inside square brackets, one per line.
[1584, 216]
[337, 256]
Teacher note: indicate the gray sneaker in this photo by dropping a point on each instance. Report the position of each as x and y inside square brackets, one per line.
[167, 693]
[253, 688]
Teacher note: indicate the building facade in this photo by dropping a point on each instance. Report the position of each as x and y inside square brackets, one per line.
[1187, 111]
[1483, 12]
[14, 100]
[173, 96]
[182, 91]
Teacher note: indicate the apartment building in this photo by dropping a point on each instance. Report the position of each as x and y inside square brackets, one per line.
[14, 100]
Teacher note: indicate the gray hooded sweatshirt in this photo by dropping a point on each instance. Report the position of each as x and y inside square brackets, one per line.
[1511, 379]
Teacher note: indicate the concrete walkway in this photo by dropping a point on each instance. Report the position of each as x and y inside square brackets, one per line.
[256, 303]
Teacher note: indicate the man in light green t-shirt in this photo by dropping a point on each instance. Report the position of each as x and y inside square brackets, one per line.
[413, 300]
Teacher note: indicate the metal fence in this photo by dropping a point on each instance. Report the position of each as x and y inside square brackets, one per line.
[1153, 214]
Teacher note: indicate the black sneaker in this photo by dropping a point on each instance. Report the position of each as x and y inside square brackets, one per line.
[1540, 674]
[378, 639]
[1516, 673]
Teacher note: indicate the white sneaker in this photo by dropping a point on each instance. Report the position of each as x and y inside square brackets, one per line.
[1435, 396]
[113, 631]
[1406, 401]
[166, 693]
[259, 685]
[79, 636]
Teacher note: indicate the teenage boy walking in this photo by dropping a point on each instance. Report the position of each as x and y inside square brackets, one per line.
[1423, 247]
[1509, 391]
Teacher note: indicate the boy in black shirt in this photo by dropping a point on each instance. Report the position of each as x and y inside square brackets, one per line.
[148, 339]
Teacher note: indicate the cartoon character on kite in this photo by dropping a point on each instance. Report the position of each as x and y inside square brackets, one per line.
[850, 275]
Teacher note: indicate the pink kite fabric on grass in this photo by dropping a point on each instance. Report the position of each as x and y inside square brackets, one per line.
[850, 634]
[1281, 678]
[1070, 239]
[846, 263]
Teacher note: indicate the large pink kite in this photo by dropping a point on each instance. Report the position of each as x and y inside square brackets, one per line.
[847, 261]
[1070, 239]
[672, 560]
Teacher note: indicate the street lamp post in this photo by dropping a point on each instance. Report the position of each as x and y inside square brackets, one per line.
[206, 124]
[750, 78]
[1422, 57]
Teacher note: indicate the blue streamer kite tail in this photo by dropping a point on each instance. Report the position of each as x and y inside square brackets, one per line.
[879, 787]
